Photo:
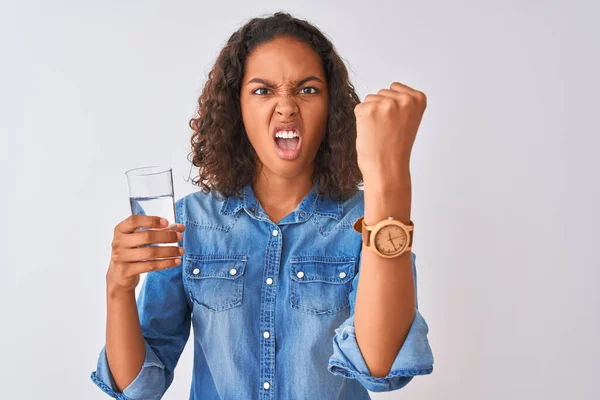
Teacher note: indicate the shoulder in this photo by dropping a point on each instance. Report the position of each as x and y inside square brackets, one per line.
[199, 209]
[355, 203]
[354, 206]
[348, 211]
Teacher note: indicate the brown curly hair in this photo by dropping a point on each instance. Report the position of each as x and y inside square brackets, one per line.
[220, 146]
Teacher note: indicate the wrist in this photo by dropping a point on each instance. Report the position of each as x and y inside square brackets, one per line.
[383, 201]
[117, 292]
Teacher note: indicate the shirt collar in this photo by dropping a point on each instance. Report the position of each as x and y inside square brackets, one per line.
[313, 203]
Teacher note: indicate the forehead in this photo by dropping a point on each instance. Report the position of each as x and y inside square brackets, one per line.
[283, 59]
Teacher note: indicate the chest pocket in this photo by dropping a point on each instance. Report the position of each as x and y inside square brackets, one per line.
[215, 282]
[321, 284]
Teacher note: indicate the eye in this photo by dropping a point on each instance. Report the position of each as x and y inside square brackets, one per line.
[260, 94]
[315, 90]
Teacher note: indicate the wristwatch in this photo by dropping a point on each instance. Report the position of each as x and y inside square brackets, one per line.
[388, 238]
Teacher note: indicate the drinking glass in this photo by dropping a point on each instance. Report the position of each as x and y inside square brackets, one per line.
[151, 193]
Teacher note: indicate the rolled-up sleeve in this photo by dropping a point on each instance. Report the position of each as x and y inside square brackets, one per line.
[414, 357]
[165, 319]
[143, 386]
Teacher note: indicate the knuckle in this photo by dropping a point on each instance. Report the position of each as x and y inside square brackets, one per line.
[405, 99]
[421, 98]
[149, 252]
[388, 105]
[369, 109]
[131, 220]
[147, 236]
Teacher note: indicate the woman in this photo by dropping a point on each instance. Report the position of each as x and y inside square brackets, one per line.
[270, 275]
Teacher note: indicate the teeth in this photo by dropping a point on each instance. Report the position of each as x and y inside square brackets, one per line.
[286, 134]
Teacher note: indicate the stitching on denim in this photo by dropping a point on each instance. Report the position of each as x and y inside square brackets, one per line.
[217, 257]
[191, 280]
[294, 302]
[221, 307]
[393, 374]
[106, 389]
[324, 312]
[322, 259]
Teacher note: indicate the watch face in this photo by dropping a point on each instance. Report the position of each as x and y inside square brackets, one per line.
[390, 239]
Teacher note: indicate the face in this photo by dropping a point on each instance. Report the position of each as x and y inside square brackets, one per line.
[284, 104]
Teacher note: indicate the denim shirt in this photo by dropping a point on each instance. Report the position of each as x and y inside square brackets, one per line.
[271, 306]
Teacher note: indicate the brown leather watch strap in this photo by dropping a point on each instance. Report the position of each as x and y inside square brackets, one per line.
[361, 227]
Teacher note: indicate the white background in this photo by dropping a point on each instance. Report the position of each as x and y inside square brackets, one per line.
[505, 175]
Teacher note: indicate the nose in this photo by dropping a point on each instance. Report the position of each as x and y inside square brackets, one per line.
[286, 107]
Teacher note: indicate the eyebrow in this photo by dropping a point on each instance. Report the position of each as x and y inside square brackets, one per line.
[272, 85]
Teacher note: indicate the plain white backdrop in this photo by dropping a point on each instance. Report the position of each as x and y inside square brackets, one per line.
[505, 175]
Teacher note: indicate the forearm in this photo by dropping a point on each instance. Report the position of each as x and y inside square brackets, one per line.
[385, 301]
[125, 347]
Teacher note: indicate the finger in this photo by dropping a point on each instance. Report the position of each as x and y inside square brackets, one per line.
[172, 228]
[397, 86]
[418, 96]
[147, 253]
[373, 98]
[150, 236]
[138, 268]
[133, 222]
[394, 94]
[177, 227]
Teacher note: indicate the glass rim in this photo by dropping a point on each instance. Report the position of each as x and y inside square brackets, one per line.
[162, 170]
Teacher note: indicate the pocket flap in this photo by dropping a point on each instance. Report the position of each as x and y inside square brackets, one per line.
[224, 267]
[336, 270]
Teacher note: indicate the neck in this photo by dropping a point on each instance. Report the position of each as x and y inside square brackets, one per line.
[281, 195]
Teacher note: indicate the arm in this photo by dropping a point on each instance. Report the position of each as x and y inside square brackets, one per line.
[164, 319]
[384, 342]
[145, 338]
[125, 348]
[385, 300]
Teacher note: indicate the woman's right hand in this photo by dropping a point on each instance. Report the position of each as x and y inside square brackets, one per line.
[129, 261]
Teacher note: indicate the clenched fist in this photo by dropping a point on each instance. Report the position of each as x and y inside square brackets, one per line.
[386, 125]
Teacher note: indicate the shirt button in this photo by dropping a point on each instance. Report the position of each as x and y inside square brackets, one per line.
[275, 232]
[196, 271]
[232, 271]
[266, 385]
[342, 275]
[266, 335]
[300, 274]
[302, 214]
[269, 281]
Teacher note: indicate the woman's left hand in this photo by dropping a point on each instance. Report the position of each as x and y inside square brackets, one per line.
[386, 127]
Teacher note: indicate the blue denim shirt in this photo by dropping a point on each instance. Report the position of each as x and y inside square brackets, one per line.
[271, 306]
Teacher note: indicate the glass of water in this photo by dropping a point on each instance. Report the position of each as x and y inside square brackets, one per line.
[151, 193]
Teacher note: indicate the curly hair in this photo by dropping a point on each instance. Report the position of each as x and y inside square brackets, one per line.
[220, 146]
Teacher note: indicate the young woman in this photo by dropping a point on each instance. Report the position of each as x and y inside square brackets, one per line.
[274, 240]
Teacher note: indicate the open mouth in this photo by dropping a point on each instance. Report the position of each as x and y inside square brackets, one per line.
[288, 142]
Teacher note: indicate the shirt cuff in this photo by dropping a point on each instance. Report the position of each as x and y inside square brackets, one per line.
[144, 386]
[413, 358]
